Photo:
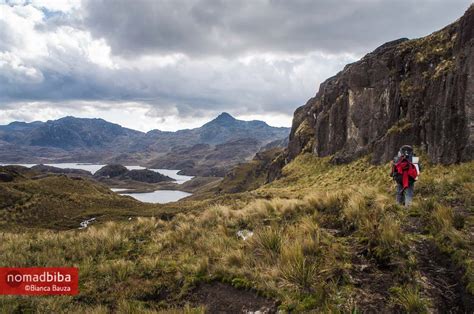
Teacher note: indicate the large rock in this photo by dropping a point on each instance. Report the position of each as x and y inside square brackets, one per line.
[418, 92]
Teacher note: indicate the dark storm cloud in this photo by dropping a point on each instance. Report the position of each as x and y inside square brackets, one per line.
[228, 27]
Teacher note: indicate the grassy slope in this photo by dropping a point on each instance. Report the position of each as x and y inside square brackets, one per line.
[325, 237]
[60, 202]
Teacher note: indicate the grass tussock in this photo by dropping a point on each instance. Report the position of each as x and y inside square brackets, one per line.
[409, 299]
[267, 242]
[374, 218]
[297, 269]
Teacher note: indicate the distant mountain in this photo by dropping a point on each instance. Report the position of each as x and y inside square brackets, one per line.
[71, 133]
[67, 133]
[225, 128]
[20, 126]
[95, 140]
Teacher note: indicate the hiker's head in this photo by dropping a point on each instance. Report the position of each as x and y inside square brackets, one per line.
[405, 151]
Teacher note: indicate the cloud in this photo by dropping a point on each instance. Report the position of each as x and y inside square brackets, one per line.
[68, 64]
[222, 27]
[172, 64]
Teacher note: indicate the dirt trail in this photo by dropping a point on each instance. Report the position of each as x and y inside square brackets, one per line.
[441, 280]
[372, 285]
[218, 297]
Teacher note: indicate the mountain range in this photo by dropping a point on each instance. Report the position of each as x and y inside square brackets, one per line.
[71, 139]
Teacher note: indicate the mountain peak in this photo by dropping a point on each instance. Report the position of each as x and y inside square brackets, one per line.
[225, 117]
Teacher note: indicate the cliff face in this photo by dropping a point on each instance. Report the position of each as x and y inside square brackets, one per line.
[418, 92]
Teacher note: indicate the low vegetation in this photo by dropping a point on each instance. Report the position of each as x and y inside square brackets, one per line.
[60, 202]
[324, 237]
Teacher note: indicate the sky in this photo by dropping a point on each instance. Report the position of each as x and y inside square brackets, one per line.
[174, 64]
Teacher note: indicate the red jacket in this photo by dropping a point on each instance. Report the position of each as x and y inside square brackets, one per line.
[407, 170]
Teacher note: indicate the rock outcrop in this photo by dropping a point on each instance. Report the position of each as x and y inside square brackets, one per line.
[418, 92]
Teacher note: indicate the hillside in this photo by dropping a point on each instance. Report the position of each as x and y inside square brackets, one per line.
[206, 160]
[417, 91]
[323, 239]
[32, 199]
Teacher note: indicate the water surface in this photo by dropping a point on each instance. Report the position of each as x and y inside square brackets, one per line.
[160, 196]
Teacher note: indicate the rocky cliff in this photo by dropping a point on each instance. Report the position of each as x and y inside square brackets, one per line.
[418, 92]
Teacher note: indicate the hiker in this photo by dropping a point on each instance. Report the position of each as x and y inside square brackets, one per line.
[405, 171]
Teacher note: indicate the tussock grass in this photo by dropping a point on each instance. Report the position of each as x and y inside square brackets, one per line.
[297, 269]
[267, 241]
[329, 202]
[374, 217]
[409, 298]
[122, 263]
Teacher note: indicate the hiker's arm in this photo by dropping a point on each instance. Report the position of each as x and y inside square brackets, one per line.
[393, 170]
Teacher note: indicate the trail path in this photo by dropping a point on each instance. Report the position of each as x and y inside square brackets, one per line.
[441, 281]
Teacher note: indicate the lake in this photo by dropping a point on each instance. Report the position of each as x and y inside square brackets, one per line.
[161, 196]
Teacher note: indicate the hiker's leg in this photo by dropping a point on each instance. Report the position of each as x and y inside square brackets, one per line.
[409, 194]
[400, 197]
